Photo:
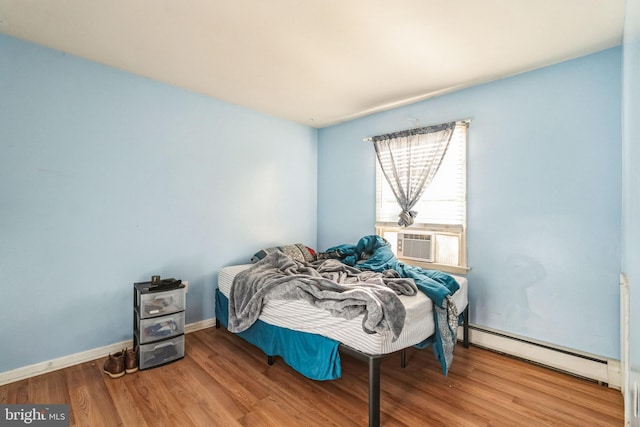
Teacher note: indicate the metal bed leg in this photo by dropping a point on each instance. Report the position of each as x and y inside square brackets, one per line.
[270, 360]
[217, 323]
[403, 358]
[374, 392]
[374, 381]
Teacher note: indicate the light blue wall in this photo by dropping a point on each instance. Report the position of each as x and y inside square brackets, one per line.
[631, 173]
[107, 178]
[544, 196]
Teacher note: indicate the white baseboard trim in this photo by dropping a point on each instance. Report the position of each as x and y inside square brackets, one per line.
[196, 326]
[574, 362]
[571, 361]
[84, 356]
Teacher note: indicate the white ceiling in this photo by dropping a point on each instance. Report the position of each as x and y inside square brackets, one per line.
[319, 62]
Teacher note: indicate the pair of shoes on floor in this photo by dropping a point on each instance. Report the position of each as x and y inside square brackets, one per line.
[120, 363]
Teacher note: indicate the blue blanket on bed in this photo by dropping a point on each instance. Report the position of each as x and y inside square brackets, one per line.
[374, 253]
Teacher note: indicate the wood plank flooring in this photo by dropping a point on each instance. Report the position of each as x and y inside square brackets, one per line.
[224, 381]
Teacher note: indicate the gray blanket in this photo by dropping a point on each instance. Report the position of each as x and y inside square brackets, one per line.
[342, 290]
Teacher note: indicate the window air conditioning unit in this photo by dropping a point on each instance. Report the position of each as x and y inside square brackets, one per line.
[416, 246]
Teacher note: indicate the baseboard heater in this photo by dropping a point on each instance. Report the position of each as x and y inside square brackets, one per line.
[601, 370]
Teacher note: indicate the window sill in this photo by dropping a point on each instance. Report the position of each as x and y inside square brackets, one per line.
[453, 269]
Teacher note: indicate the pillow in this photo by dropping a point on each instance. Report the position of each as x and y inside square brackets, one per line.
[299, 252]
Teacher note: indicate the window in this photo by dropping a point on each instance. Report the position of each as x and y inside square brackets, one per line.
[440, 225]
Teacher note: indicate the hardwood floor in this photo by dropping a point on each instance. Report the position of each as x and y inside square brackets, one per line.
[224, 381]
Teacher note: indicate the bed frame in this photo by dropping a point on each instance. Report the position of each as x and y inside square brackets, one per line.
[374, 366]
[374, 369]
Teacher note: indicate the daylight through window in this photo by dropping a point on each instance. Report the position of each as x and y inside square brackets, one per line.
[437, 238]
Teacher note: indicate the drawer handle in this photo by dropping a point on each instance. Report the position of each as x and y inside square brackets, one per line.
[163, 345]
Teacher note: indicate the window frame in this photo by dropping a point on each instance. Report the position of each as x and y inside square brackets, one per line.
[457, 230]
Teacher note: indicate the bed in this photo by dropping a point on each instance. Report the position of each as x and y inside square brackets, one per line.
[309, 334]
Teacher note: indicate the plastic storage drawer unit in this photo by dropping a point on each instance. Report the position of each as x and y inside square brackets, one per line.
[158, 321]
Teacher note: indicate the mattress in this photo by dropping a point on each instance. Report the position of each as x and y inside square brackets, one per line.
[418, 325]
